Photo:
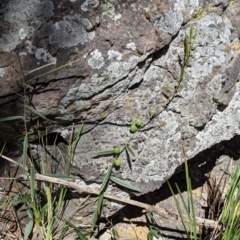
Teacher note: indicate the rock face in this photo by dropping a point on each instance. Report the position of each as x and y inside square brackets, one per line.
[110, 63]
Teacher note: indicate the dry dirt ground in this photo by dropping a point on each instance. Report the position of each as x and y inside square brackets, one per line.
[209, 173]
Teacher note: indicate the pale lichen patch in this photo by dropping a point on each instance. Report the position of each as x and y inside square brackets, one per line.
[131, 46]
[96, 61]
[2, 72]
[44, 55]
[114, 55]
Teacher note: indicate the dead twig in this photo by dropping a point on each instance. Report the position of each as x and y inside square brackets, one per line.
[148, 208]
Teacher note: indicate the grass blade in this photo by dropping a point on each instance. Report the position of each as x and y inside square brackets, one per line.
[36, 112]
[179, 210]
[76, 229]
[115, 234]
[129, 149]
[25, 148]
[29, 213]
[106, 178]
[29, 226]
[17, 200]
[98, 211]
[11, 118]
[124, 184]
[99, 203]
[75, 142]
[60, 201]
[32, 183]
[63, 232]
[100, 197]
[28, 229]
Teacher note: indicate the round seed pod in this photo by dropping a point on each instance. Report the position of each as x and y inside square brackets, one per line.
[133, 128]
[117, 162]
[138, 123]
[116, 150]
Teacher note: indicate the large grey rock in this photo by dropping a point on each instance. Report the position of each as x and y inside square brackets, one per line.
[125, 60]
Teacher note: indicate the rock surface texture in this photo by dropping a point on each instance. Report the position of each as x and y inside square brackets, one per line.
[114, 61]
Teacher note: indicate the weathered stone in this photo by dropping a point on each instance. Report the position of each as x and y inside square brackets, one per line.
[122, 60]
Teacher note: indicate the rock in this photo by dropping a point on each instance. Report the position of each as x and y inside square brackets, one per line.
[107, 63]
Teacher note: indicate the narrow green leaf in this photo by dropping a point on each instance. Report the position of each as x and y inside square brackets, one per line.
[28, 229]
[43, 210]
[32, 182]
[185, 205]
[150, 218]
[115, 234]
[25, 148]
[60, 201]
[30, 213]
[155, 233]
[186, 46]
[75, 142]
[11, 118]
[124, 184]
[179, 210]
[94, 221]
[97, 212]
[63, 232]
[104, 153]
[18, 200]
[99, 203]
[76, 229]
[129, 149]
[36, 112]
[149, 236]
[106, 178]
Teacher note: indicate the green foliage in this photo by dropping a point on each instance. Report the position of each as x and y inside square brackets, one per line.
[189, 42]
[231, 210]
[186, 206]
[12, 118]
[153, 231]
[36, 112]
[25, 149]
[115, 234]
[29, 226]
[104, 153]
[76, 229]
[129, 149]
[124, 184]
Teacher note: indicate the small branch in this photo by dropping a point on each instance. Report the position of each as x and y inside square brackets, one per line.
[147, 208]
[159, 211]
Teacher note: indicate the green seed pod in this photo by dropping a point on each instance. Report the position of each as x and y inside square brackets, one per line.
[133, 128]
[152, 113]
[116, 150]
[117, 162]
[138, 123]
